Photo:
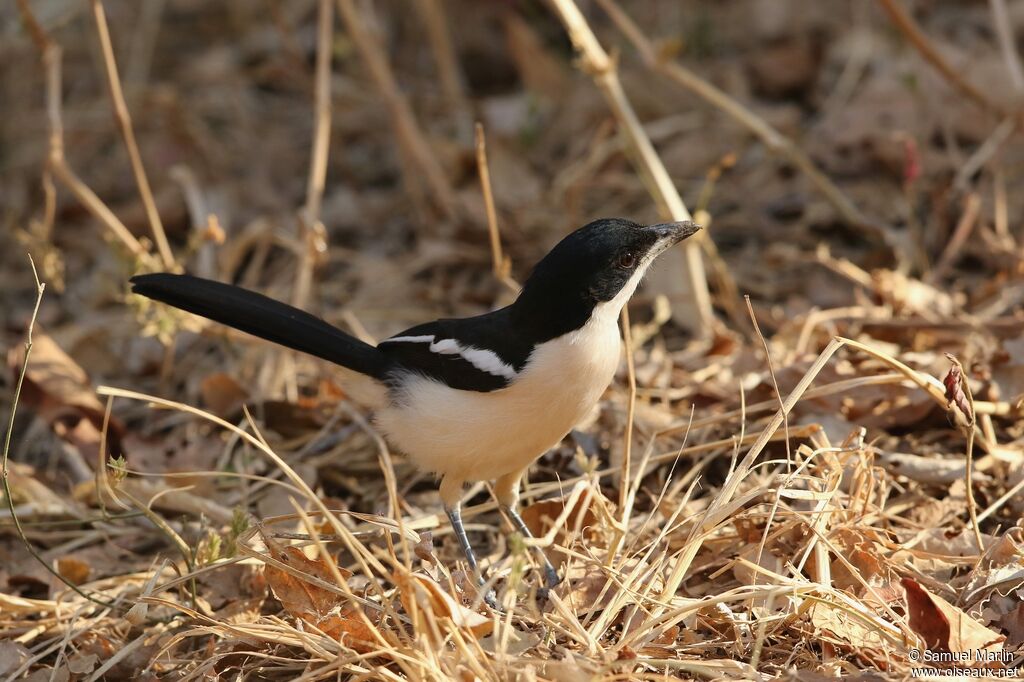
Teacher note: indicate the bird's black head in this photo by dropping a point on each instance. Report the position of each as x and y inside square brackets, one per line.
[596, 267]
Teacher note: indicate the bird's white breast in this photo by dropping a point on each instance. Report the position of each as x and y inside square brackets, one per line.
[472, 436]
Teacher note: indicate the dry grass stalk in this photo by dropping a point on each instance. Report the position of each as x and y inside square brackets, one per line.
[961, 403]
[919, 39]
[4, 479]
[968, 219]
[500, 265]
[775, 141]
[322, 112]
[50, 54]
[1004, 32]
[421, 164]
[124, 124]
[689, 294]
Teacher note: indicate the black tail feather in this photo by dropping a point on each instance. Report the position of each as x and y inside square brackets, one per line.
[263, 317]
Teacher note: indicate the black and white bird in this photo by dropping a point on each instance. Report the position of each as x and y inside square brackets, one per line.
[478, 398]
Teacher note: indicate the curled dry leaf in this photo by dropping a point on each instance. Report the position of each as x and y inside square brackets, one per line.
[944, 627]
[429, 596]
[313, 604]
[953, 381]
[540, 516]
[60, 390]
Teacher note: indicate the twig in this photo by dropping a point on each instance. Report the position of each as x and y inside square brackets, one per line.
[322, 120]
[961, 403]
[40, 288]
[500, 264]
[627, 439]
[50, 54]
[989, 148]
[421, 164]
[312, 234]
[917, 37]
[775, 141]
[972, 205]
[696, 314]
[124, 123]
[771, 372]
[1004, 33]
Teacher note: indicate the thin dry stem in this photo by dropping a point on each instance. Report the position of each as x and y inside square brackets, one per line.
[696, 313]
[124, 123]
[421, 164]
[627, 439]
[322, 112]
[501, 266]
[919, 39]
[968, 219]
[433, 15]
[50, 54]
[40, 288]
[969, 427]
[775, 141]
[771, 372]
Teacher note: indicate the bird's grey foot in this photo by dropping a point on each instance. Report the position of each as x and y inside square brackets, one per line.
[455, 517]
[551, 577]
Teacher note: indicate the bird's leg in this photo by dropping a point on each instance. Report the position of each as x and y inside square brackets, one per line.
[506, 489]
[450, 495]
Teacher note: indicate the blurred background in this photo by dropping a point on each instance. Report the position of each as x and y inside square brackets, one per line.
[221, 98]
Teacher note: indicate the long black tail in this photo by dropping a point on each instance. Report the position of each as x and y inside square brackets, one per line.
[263, 317]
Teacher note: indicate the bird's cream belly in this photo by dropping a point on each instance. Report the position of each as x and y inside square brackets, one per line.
[471, 436]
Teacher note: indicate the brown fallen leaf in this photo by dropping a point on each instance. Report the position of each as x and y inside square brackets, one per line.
[944, 627]
[61, 392]
[75, 570]
[314, 604]
[222, 393]
[427, 594]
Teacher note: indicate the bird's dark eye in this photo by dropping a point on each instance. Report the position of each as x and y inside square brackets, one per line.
[626, 260]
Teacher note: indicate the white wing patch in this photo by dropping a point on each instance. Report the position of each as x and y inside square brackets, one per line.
[486, 361]
[409, 339]
[483, 360]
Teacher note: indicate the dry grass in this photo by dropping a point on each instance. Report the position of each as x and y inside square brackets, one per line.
[815, 492]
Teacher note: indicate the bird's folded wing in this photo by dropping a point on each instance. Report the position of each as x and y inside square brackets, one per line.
[469, 357]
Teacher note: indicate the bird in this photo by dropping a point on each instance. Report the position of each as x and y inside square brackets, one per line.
[478, 398]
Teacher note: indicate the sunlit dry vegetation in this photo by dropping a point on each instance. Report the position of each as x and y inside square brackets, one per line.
[810, 463]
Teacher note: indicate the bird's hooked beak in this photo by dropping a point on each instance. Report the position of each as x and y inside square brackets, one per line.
[667, 235]
[673, 233]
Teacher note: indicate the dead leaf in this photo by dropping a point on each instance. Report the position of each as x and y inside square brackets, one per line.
[60, 390]
[848, 630]
[314, 604]
[75, 570]
[427, 594]
[82, 664]
[12, 655]
[222, 393]
[944, 627]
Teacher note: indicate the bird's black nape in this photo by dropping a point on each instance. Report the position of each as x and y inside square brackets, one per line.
[263, 317]
[589, 266]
